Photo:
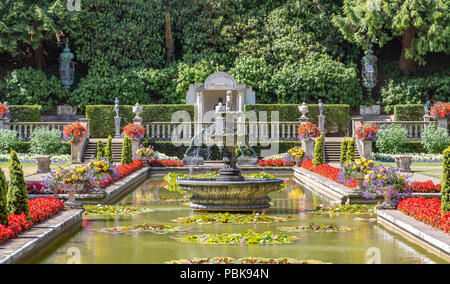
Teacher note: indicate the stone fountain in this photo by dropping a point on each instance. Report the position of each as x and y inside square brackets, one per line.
[230, 191]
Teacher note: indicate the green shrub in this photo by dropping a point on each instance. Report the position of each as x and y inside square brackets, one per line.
[9, 140]
[30, 113]
[318, 151]
[101, 117]
[435, 139]
[409, 112]
[351, 147]
[108, 150]
[344, 147]
[4, 213]
[415, 90]
[28, 87]
[100, 149]
[17, 191]
[392, 140]
[127, 155]
[46, 141]
[336, 121]
[446, 181]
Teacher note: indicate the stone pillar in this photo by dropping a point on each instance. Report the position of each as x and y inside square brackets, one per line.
[134, 146]
[117, 121]
[308, 147]
[427, 118]
[78, 150]
[442, 123]
[366, 146]
[199, 122]
[137, 120]
[321, 123]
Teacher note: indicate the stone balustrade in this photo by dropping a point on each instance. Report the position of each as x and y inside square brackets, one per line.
[25, 129]
[414, 128]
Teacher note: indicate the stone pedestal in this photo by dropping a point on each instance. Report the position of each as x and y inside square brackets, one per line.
[427, 118]
[78, 150]
[43, 163]
[134, 146]
[322, 123]
[442, 123]
[308, 147]
[138, 120]
[366, 146]
[117, 121]
[404, 163]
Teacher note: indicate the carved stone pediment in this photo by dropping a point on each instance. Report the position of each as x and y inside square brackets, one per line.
[220, 81]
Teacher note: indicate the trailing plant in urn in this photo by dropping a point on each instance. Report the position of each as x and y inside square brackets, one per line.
[308, 131]
[127, 155]
[4, 213]
[17, 193]
[134, 131]
[367, 131]
[75, 133]
[318, 151]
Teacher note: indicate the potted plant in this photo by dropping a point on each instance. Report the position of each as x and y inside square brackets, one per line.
[366, 133]
[441, 111]
[307, 132]
[136, 132]
[386, 182]
[76, 134]
[356, 171]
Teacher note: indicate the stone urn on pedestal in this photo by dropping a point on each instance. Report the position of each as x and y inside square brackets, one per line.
[366, 145]
[388, 193]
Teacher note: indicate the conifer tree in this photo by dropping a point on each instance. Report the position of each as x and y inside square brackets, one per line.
[100, 149]
[343, 158]
[17, 192]
[3, 200]
[318, 152]
[446, 181]
[127, 156]
[351, 151]
[108, 150]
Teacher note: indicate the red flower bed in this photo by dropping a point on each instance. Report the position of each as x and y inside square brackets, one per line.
[35, 188]
[367, 131]
[275, 163]
[165, 163]
[41, 209]
[440, 110]
[426, 186]
[427, 211]
[327, 171]
[121, 171]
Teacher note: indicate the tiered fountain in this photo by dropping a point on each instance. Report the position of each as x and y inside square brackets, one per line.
[230, 191]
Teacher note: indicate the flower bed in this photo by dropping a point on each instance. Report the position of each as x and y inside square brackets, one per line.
[425, 187]
[120, 172]
[427, 211]
[416, 157]
[165, 163]
[276, 163]
[327, 171]
[40, 209]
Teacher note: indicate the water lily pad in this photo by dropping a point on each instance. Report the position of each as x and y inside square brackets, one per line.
[244, 260]
[227, 218]
[350, 209]
[144, 228]
[113, 210]
[248, 238]
[316, 228]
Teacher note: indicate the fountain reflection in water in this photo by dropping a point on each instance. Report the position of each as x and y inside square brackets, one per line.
[230, 191]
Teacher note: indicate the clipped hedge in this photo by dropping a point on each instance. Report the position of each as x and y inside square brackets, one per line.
[413, 112]
[25, 113]
[168, 148]
[102, 116]
[336, 116]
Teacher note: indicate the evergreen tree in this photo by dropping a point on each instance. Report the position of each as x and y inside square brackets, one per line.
[17, 193]
[343, 158]
[3, 200]
[446, 181]
[108, 150]
[127, 156]
[100, 149]
[422, 25]
[351, 146]
[318, 152]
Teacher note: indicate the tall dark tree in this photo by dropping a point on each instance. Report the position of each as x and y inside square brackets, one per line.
[4, 212]
[17, 193]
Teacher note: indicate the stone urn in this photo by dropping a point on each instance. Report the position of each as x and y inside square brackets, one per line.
[43, 163]
[71, 202]
[388, 194]
[359, 178]
[366, 148]
[403, 163]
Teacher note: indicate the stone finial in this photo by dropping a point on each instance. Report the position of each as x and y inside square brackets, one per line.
[137, 110]
[304, 110]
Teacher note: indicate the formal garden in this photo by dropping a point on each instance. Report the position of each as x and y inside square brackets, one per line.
[224, 132]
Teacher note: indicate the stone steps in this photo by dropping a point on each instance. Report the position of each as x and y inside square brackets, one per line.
[91, 151]
[333, 151]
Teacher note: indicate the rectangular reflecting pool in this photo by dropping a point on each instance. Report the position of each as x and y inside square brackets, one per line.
[367, 242]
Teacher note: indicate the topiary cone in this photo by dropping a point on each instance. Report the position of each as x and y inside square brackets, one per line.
[4, 212]
[108, 150]
[445, 198]
[17, 193]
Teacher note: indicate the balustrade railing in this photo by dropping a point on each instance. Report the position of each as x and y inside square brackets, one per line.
[414, 128]
[25, 129]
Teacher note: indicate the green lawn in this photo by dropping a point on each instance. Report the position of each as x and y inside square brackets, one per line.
[30, 168]
[431, 169]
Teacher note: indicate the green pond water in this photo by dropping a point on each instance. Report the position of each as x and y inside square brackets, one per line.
[363, 244]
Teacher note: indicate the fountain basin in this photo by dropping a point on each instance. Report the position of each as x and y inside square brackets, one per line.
[249, 195]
